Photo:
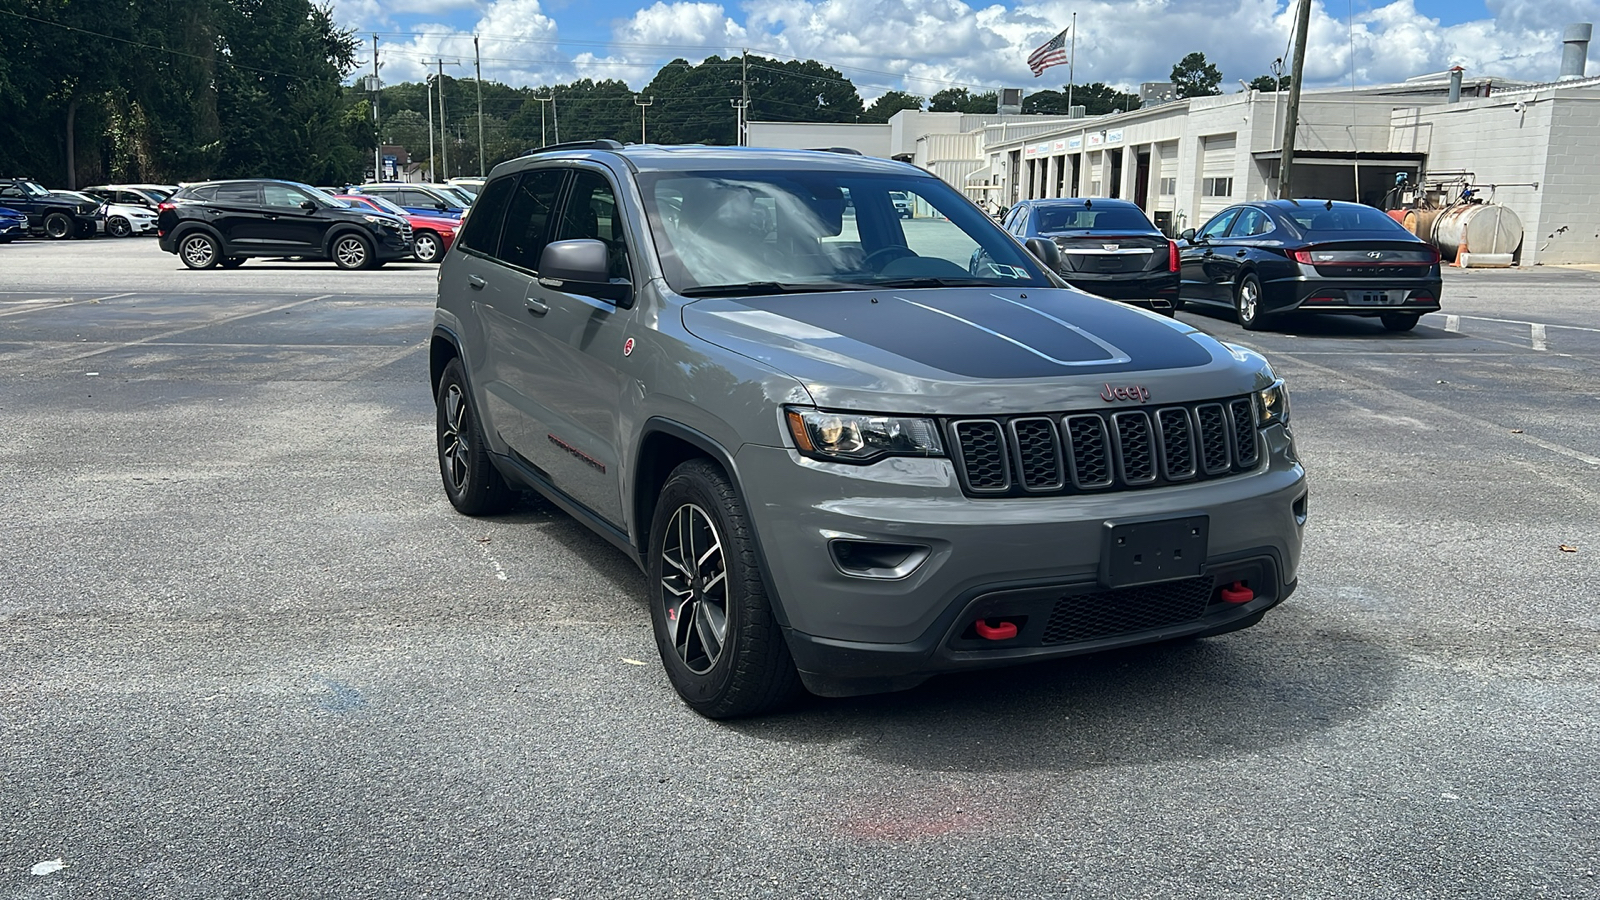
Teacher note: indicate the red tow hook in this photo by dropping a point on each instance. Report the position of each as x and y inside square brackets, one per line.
[1238, 593]
[1004, 631]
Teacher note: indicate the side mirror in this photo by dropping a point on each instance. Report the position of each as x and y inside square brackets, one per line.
[439, 206]
[308, 205]
[1045, 251]
[580, 267]
[1186, 235]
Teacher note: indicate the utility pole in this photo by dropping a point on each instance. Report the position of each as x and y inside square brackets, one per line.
[1072, 62]
[543, 141]
[477, 68]
[555, 115]
[642, 104]
[1277, 91]
[744, 108]
[427, 84]
[444, 155]
[377, 133]
[1302, 25]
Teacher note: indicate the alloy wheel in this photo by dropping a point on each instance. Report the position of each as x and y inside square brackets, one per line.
[456, 449]
[119, 227]
[694, 588]
[427, 249]
[350, 252]
[1247, 301]
[198, 252]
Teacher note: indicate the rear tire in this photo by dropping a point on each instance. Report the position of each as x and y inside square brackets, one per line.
[58, 226]
[471, 482]
[1247, 303]
[199, 250]
[723, 649]
[426, 247]
[1399, 321]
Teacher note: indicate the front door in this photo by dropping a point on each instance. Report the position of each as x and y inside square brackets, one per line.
[1198, 259]
[297, 230]
[576, 373]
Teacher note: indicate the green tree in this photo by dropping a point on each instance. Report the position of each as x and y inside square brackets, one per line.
[883, 108]
[1268, 84]
[960, 100]
[1194, 77]
[1097, 99]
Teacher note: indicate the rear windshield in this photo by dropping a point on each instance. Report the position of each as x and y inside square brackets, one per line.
[1070, 218]
[1343, 217]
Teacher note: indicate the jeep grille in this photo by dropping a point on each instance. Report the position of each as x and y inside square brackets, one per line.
[1091, 452]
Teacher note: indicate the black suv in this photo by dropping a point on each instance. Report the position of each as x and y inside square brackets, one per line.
[226, 222]
[55, 215]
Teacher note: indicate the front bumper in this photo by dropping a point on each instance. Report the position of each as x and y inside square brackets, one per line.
[1009, 557]
[391, 245]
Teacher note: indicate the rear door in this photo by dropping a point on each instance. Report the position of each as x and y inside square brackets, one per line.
[236, 213]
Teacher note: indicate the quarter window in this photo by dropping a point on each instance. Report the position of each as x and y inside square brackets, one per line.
[246, 194]
[528, 219]
[482, 229]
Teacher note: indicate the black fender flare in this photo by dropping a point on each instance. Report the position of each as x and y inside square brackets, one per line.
[342, 229]
[184, 229]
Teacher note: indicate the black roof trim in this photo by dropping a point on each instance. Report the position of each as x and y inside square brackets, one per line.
[847, 150]
[601, 144]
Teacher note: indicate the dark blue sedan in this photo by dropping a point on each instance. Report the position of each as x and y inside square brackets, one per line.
[12, 225]
[1267, 259]
[1102, 246]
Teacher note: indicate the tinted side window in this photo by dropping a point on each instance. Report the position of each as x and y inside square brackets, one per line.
[245, 194]
[482, 231]
[1251, 222]
[591, 212]
[282, 195]
[1219, 226]
[528, 218]
[10, 190]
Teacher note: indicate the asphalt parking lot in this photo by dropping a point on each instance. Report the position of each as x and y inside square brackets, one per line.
[249, 650]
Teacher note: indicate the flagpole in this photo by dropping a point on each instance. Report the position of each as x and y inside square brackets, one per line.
[1072, 62]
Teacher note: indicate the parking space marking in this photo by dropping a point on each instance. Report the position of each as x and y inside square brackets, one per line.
[47, 303]
[222, 321]
[1517, 322]
[1537, 336]
[1452, 324]
[1337, 374]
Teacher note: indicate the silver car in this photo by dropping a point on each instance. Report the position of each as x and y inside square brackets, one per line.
[849, 450]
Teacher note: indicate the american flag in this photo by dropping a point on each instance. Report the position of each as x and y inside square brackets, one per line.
[1051, 53]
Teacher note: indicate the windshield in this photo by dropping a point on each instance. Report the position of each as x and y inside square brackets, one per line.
[824, 230]
[33, 190]
[1313, 218]
[455, 195]
[383, 203]
[1051, 220]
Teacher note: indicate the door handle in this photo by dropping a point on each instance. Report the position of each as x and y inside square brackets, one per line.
[536, 307]
[273, 216]
[476, 282]
[1241, 252]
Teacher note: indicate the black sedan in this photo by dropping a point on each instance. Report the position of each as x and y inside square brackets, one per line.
[1273, 257]
[1102, 246]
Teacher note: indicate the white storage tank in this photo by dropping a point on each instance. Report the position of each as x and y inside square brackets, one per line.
[1488, 229]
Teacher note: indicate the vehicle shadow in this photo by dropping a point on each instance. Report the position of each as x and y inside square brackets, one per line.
[1217, 698]
[1314, 325]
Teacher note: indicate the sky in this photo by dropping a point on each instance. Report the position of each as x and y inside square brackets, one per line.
[924, 46]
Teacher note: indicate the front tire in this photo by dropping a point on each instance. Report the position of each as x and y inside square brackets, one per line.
[720, 643]
[471, 482]
[199, 250]
[352, 251]
[1399, 321]
[1247, 303]
[426, 247]
[58, 226]
[117, 226]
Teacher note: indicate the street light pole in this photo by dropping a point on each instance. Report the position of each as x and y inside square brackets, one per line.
[427, 84]
[543, 138]
[444, 155]
[642, 104]
[477, 68]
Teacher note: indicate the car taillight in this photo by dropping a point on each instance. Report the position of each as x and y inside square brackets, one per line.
[1172, 256]
[1434, 252]
[1303, 257]
[166, 205]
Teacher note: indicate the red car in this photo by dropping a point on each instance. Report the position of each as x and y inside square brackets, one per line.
[431, 236]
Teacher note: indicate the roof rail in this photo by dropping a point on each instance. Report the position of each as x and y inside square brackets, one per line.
[601, 144]
[847, 150]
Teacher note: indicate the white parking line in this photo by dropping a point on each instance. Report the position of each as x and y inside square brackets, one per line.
[1515, 322]
[212, 323]
[1537, 336]
[1452, 323]
[56, 303]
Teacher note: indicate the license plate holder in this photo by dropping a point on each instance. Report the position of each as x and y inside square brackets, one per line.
[1152, 550]
[1371, 298]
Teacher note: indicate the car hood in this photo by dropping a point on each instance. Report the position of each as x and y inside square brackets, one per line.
[972, 351]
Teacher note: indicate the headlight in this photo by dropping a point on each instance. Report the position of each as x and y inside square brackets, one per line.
[380, 220]
[859, 437]
[1273, 403]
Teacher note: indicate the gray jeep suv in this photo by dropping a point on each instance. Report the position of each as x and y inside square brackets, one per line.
[849, 449]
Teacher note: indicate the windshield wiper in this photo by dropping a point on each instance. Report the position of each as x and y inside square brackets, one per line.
[931, 281]
[757, 288]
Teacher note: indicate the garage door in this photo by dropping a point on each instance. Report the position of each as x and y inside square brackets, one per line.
[1217, 165]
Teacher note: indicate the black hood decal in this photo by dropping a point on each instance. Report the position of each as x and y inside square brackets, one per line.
[996, 334]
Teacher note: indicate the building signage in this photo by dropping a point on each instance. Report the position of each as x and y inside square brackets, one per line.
[1030, 150]
[1075, 143]
[1097, 138]
[1114, 137]
[1059, 145]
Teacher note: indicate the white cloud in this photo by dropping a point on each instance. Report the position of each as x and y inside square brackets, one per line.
[926, 45]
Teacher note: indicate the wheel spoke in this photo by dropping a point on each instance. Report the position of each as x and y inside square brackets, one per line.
[714, 583]
[710, 629]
